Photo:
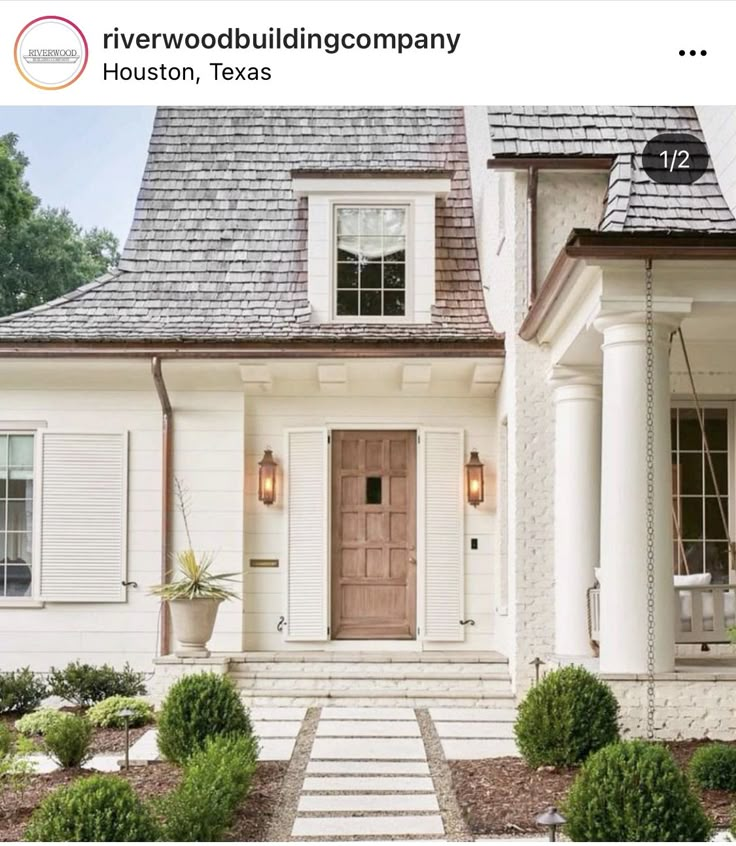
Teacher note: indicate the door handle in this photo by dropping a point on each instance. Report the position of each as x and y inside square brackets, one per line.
[412, 560]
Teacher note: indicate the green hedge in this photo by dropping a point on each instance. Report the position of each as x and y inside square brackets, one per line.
[713, 767]
[100, 808]
[565, 717]
[68, 740]
[84, 684]
[216, 780]
[199, 707]
[21, 691]
[634, 791]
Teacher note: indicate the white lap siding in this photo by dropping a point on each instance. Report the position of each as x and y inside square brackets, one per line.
[208, 457]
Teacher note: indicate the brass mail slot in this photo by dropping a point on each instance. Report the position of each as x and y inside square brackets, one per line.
[264, 562]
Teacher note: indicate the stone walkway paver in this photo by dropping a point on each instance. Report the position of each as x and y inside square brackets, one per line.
[468, 733]
[367, 776]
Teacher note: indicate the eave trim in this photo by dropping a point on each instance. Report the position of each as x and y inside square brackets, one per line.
[624, 246]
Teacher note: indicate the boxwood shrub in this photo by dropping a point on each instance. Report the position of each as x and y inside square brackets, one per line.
[634, 791]
[216, 780]
[197, 708]
[100, 808]
[565, 717]
[68, 740]
[713, 767]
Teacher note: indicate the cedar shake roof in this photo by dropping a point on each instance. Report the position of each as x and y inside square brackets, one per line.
[633, 202]
[218, 248]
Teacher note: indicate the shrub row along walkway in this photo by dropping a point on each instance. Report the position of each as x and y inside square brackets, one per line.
[366, 771]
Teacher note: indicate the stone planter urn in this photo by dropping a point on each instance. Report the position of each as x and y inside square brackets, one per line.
[193, 621]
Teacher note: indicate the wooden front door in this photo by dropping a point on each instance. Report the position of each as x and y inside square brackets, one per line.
[374, 574]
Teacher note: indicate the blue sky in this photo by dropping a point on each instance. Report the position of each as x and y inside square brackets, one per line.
[88, 159]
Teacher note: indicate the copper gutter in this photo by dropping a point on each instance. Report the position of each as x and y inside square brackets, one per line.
[358, 173]
[531, 234]
[167, 433]
[551, 162]
[493, 347]
[621, 246]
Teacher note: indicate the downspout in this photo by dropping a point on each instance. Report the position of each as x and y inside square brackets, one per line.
[531, 233]
[167, 434]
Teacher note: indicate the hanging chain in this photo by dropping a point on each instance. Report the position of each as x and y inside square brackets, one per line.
[649, 320]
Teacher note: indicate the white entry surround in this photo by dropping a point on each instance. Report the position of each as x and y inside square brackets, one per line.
[454, 401]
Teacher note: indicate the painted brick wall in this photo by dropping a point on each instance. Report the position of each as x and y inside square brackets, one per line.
[683, 709]
[565, 200]
[524, 399]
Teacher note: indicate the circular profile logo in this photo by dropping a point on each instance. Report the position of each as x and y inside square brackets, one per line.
[51, 52]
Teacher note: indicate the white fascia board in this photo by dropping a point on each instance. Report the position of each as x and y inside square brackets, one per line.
[437, 186]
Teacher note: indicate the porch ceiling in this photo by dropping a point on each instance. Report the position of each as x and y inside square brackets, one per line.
[607, 286]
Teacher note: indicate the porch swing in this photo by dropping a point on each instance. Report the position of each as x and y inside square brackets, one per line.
[704, 612]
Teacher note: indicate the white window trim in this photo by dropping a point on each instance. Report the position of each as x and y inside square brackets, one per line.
[29, 428]
[730, 406]
[378, 202]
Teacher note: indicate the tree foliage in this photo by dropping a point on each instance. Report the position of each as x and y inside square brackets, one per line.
[43, 252]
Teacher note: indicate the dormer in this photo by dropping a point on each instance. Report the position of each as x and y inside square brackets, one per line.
[371, 243]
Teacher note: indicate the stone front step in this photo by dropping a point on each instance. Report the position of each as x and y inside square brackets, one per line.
[369, 673]
[335, 685]
[375, 657]
[366, 697]
[408, 679]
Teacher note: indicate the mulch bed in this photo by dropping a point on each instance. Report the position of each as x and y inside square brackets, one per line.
[502, 796]
[104, 740]
[252, 818]
[109, 740]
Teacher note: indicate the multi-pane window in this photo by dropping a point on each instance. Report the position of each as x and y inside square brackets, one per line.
[371, 261]
[16, 514]
[701, 544]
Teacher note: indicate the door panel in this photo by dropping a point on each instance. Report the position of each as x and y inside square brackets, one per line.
[373, 535]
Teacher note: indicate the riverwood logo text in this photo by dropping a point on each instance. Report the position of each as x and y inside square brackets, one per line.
[51, 52]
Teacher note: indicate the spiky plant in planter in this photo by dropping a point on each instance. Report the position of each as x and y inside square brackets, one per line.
[195, 595]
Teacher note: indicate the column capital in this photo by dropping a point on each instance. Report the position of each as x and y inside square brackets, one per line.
[575, 383]
[668, 313]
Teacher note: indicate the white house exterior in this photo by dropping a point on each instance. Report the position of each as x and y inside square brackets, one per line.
[351, 289]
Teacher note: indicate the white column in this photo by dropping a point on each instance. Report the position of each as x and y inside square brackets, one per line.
[624, 496]
[577, 504]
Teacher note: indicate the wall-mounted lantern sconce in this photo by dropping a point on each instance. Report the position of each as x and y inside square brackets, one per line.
[474, 479]
[267, 478]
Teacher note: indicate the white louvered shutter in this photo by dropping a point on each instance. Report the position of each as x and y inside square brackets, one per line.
[307, 500]
[444, 585]
[83, 517]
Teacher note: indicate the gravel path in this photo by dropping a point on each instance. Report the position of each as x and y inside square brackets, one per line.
[452, 816]
[368, 777]
[283, 820]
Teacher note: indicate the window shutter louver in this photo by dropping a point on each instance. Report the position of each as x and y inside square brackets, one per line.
[307, 548]
[443, 535]
[83, 520]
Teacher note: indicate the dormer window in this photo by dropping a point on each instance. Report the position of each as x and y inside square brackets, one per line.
[371, 243]
[371, 262]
